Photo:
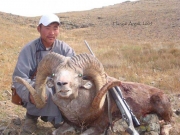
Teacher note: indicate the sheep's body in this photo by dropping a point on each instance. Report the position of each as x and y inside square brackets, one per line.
[142, 99]
[81, 87]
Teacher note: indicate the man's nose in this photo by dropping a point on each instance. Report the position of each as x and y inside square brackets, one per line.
[52, 32]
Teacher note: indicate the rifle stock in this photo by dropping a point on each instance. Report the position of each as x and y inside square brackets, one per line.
[126, 115]
[134, 119]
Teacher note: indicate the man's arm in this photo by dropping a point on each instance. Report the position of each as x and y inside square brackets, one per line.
[22, 69]
[64, 49]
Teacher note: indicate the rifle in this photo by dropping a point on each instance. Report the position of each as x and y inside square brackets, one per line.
[125, 110]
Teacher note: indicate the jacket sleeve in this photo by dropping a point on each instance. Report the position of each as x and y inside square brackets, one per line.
[23, 67]
[66, 50]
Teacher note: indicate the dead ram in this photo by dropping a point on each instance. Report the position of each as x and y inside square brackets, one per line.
[81, 85]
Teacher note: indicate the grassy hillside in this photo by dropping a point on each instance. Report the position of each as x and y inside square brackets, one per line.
[135, 41]
[141, 37]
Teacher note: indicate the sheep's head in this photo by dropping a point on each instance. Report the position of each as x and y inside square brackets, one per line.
[68, 75]
[67, 81]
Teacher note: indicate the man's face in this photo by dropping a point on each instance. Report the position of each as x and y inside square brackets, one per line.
[48, 33]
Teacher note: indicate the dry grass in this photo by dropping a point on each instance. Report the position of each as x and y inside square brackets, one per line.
[147, 54]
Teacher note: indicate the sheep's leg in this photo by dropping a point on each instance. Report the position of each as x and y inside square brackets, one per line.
[91, 131]
[64, 129]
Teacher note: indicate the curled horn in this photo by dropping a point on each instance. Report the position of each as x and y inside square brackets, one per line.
[45, 68]
[92, 67]
[96, 107]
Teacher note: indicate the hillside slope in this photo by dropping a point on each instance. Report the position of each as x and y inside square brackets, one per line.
[140, 20]
[151, 25]
[135, 41]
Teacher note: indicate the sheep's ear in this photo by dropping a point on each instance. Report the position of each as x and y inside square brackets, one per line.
[87, 84]
[50, 83]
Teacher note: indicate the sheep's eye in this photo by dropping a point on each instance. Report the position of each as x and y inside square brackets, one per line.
[86, 78]
[80, 75]
[52, 75]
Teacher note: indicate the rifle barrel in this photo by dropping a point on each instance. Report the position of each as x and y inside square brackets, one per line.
[89, 48]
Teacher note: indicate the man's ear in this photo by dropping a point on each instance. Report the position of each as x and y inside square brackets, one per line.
[38, 28]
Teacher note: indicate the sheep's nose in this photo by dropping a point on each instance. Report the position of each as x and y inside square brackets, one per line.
[61, 83]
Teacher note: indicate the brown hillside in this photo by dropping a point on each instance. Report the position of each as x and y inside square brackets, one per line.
[148, 23]
[144, 20]
[135, 41]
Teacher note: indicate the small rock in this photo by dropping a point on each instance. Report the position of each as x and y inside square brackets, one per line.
[8, 93]
[177, 112]
[120, 126]
[166, 129]
[2, 102]
[151, 133]
[150, 118]
[149, 125]
[10, 132]
[2, 128]
[13, 115]
[154, 127]
[4, 94]
[153, 82]
[122, 78]
[17, 121]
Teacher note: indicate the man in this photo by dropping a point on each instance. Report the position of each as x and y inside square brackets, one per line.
[29, 57]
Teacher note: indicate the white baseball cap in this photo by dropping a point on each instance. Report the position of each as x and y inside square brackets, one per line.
[48, 19]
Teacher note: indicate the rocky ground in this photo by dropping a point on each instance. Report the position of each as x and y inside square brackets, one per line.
[148, 22]
[12, 119]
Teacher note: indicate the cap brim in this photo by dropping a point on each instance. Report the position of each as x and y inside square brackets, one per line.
[48, 23]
